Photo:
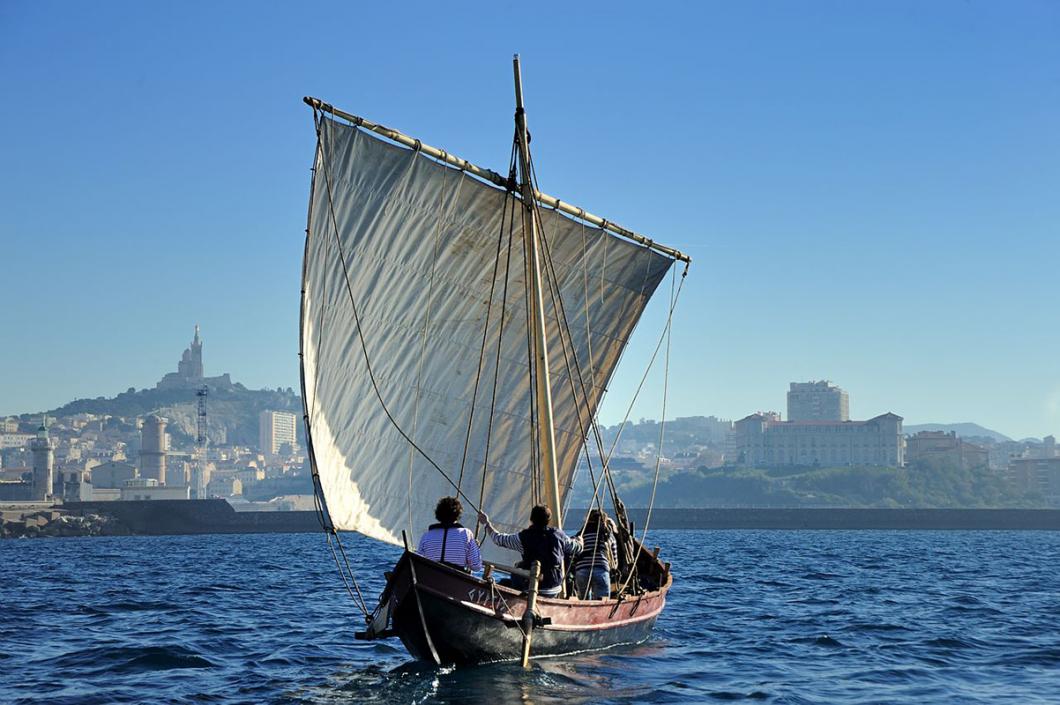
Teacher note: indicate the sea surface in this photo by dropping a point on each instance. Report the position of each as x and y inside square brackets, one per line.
[763, 616]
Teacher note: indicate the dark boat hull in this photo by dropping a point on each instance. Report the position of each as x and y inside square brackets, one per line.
[444, 615]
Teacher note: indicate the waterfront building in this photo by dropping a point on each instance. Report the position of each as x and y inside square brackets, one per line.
[1049, 447]
[153, 449]
[43, 464]
[275, 428]
[250, 474]
[112, 475]
[70, 484]
[1038, 475]
[178, 471]
[148, 488]
[817, 401]
[928, 445]
[15, 439]
[763, 440]
[224, 486]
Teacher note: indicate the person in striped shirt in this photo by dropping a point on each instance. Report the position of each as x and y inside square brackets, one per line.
[447, 541]
[592, 567]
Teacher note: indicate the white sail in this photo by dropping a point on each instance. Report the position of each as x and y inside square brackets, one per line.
[420, 245]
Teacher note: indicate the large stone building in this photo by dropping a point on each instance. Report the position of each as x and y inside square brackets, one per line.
[939, 445]
[763, 440]
[817, 401]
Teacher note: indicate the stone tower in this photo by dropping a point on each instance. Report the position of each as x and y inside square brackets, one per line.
[43, 464]
[190, 365]
[153, 449]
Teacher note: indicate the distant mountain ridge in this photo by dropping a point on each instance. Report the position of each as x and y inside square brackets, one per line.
[966, 430]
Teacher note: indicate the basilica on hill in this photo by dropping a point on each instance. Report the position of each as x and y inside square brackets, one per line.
[190, 370]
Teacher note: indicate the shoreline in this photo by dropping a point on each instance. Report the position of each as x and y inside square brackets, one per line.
[216, 516]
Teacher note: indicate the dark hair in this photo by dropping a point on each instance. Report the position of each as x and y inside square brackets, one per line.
[540, 515]
[448, 510]
[596, 522]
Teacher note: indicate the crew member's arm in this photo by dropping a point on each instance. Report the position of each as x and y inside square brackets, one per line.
[472, 557]
[509, 541]
[571, 546]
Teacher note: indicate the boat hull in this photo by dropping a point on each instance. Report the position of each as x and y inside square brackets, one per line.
[444, 615]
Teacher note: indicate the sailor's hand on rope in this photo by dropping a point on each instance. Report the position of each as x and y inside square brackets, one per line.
[485, 521]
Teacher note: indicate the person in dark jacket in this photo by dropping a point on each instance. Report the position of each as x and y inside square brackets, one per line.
[539, 542]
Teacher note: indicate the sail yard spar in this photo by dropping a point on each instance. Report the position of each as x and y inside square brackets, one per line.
[410, 267]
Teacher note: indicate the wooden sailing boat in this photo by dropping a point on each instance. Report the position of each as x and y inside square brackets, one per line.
[456, 339]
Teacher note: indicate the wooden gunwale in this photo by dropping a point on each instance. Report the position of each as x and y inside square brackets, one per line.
[566, 614]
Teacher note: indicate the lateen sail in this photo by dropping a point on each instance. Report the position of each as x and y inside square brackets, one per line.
[420, 244]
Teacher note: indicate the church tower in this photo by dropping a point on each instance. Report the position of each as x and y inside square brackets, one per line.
[190, 365]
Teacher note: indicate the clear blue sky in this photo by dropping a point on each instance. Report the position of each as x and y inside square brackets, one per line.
[870, 191]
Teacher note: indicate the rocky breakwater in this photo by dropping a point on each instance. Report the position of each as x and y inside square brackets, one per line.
[53, 523]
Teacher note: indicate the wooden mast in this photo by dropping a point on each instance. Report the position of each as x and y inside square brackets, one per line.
[546, 435]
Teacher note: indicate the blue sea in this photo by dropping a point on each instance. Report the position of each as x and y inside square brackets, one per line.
[763, 616]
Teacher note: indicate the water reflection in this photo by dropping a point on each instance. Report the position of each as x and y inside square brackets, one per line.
[570, 680]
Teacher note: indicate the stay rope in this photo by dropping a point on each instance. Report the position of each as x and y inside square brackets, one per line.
[485, 335]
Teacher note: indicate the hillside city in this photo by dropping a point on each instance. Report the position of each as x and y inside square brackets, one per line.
[194, 436]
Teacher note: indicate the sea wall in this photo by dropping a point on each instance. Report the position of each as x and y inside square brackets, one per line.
[216, 516]
[880, 519]
[205, 516]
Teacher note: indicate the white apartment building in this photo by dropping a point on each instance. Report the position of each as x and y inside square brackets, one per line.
[274, 429]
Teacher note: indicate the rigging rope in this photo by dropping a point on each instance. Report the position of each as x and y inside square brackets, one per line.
[557, 302]
[485, 334]
[564, 326]
[662, 424]
[500, 341]
[596, 432]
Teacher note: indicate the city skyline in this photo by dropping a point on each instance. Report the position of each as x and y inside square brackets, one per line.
[875, 208]
[806, 400]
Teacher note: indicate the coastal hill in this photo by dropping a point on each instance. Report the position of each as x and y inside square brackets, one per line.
[936, 486]
[232, 410]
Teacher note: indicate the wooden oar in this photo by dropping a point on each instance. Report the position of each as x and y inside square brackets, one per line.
[528, 616]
